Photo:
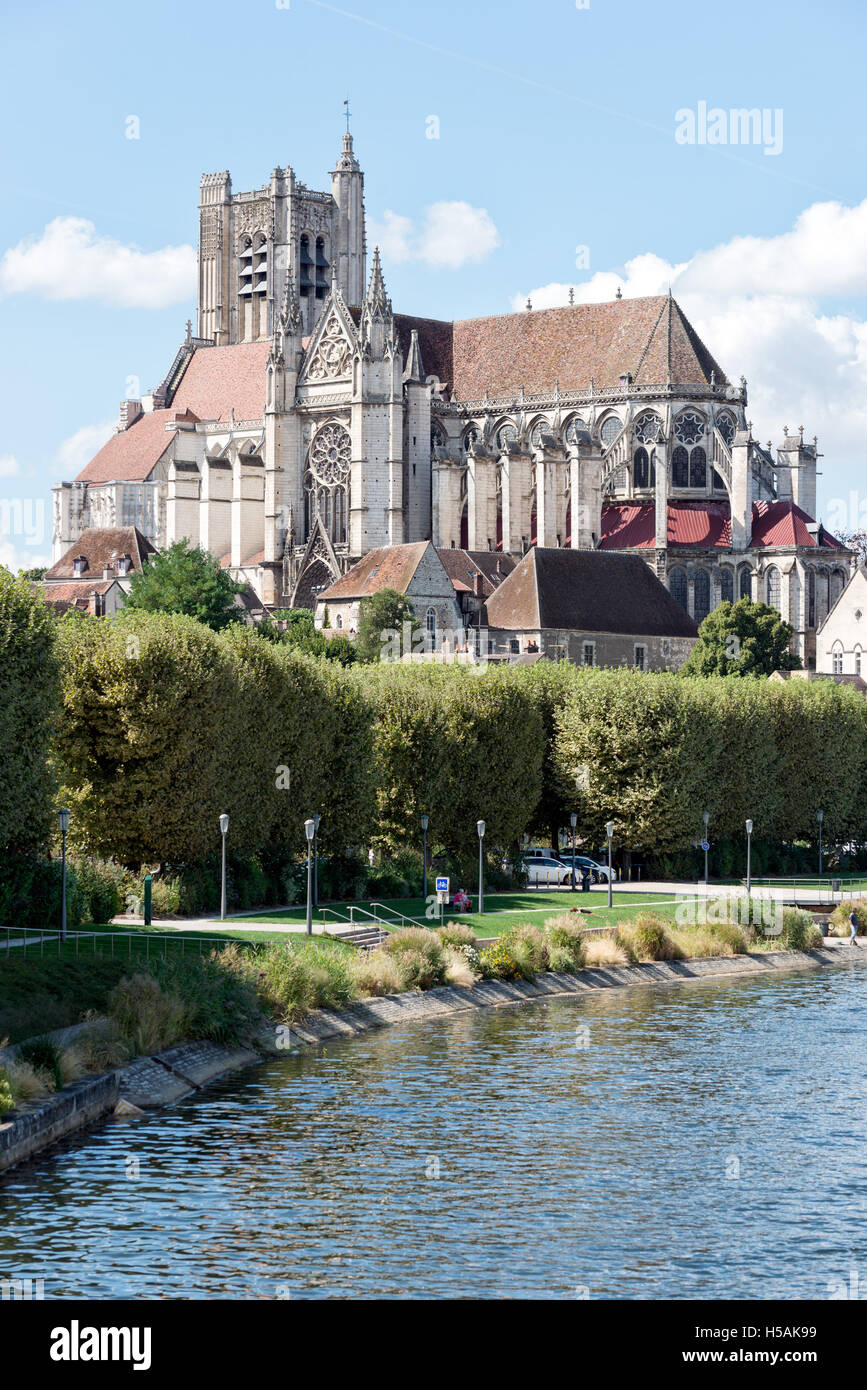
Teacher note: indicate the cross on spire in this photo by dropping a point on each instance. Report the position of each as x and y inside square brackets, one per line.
[347, 114]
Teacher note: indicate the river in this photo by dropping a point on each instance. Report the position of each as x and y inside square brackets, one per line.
[702, 1140]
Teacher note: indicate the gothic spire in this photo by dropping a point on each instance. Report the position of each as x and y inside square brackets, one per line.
[290, 312]
[414, 370]
[376, 295]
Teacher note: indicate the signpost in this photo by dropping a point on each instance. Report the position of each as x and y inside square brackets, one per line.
[442, 894]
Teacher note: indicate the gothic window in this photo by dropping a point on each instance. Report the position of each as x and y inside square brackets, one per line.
[437, 437]
[811, 599]
[326, 482]
[838, 583]
[506, 434]
[322, 269]
[726, 426]
[837, 658]
[641, 468]
[575, 425]
[306, 277]
[772, 588]
[698, 467]
[701, 595]
[857, 661]
[680, 467]
[745, 584]
[610, 430]
[430, 622]
[253, 265]
[677, 586]
[726, 586]
[541, 427]
[647, 429]
[689, 427]
[330, 453]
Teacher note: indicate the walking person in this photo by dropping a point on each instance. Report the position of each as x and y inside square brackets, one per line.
[853, 926]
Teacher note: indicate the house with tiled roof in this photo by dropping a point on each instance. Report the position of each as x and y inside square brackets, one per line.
[94, 574]
[590, 608]
[306, 424]
[414, 570]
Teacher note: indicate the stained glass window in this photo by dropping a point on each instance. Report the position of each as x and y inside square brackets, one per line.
[680, 467]
[689, 427]
[701, 595]
[647, 429]
[677, 586]
[698, 467]
[610, 430]
[641, 469]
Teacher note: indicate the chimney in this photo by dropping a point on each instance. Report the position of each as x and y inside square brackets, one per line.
[107, 572]
[479, 585]
[129, 412]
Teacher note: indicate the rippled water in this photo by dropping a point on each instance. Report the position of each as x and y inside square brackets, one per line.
[707, 1142]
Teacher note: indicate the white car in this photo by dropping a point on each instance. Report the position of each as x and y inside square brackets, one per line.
[548, 871]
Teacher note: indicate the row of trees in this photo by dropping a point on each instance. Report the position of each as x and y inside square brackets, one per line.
[151, 726]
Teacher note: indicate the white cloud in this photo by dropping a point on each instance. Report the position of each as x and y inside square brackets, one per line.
[757, 302]
[70, 261]
[451, 235]
[15, 558]
[9, 466]
[77, 451]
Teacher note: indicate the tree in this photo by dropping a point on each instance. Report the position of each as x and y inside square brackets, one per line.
[381, 631]
[188, 580]
[742, 639]
[857, 541]
[299, 632]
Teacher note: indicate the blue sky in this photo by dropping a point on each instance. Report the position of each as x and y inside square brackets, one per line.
[556, 131]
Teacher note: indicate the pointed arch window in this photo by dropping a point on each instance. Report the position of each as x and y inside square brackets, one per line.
[610, 430]
[641, 468]
[726, 586]
[677, 587]
[680, 467]
[701, 595]
[745, 585]
[837, 658]
[773, 587]
[305, 283]
[698, 467]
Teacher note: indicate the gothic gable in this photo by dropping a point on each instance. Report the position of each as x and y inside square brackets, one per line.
[329, 353]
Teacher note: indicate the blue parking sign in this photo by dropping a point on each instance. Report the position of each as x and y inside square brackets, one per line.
[442, 885]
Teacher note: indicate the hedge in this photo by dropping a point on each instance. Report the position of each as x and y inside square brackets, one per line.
[29, 678]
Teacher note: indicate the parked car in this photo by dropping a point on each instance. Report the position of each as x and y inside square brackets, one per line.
[598, 871]
[549, 870]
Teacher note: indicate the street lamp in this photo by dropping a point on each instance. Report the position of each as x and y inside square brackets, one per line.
[749, 834]
[224, 826]
[573, 821]
[425, 822]
[609, 831]
[821, 816]
[63, 817]
[480, 826]
[316, 819]
[706, 819]
[310, 831]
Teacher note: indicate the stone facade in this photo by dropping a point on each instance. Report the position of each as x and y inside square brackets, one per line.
[307, 424]
[841, 642]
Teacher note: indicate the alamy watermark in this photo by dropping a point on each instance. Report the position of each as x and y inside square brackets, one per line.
[714, 125]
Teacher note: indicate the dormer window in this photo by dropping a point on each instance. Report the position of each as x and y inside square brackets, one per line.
[79, 565]
[123, 565]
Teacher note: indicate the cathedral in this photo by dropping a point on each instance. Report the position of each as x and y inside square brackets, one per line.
[305, 424]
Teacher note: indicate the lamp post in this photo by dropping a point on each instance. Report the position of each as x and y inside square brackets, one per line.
[573, 821]
[310, 831]
[224, 826]
[316, 819]
[480, 826]
[425, 822]
[706, 819]
[609, 831]
[749, 836]
[821, 816]
[63, 817]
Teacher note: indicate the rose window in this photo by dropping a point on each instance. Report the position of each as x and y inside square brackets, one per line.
[610, 430]
[647, 429]
[330, 454]
[689, 427]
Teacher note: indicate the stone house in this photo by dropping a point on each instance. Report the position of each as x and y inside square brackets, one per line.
[413, 570]
[589, 608]
[841, 641]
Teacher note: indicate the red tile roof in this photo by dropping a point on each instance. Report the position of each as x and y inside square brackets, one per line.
[462, 567]
[131, 455]
[632, 525]
[101, 546]
[649, 338]
[391, 567]
[218, 379]
[784, 524]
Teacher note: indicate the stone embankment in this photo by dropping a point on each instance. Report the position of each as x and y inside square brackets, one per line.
[170, 1075]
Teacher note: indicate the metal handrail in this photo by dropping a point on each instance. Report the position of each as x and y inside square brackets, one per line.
[401, 917]
[17, 937]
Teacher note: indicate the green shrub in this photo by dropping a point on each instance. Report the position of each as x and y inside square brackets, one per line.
[292, 980]
[419, 969]
[218, 991]
[840, 917]
[498, 963]
[528, 948]
[797, 928]
[567, 947]
[647, 937]
[376, 972]
[43, 1055]
[147, 1017]
[165, 897]
[456, 934]
[29, 707]
[423, 942]
[102, 886]
[7, 1100]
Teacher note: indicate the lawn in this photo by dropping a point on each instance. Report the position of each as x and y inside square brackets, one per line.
[502, 910]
